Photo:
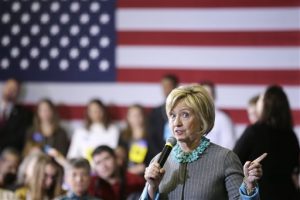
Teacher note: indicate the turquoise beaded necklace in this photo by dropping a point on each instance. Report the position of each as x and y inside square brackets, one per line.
[188, 157]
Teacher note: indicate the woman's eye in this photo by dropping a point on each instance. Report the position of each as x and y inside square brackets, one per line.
[185, 115]
[172, 116]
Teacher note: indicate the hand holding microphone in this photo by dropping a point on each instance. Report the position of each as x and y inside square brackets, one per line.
[154, 172]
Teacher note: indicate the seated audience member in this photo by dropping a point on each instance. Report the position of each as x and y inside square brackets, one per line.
[46, 131]
[134, 140]
[110, 182]
[252, 110]
[14, 119]
[273, 133]
[9, 163]
[223, 132]
[40, 178]
[158, 121]
[98, 130]
[77, 172]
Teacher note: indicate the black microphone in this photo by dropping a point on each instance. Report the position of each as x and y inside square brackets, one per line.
[171, 142]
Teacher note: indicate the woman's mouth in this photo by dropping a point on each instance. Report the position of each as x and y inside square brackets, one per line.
[179, 132]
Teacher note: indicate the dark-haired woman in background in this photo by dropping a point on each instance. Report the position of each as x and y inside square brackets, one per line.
[134, 139]
[46, 131]
[273, 133]
[98, 130]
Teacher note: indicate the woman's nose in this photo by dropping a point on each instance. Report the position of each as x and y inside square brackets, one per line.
[177, 121]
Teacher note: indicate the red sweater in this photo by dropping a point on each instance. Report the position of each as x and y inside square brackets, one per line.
[102, 189]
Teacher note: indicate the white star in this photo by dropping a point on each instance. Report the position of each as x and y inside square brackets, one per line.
[104, 18]
[25, 18]
[64, 18]
[55, 6]
[54, 29]
[44, 64]
[15, 29]
[35, 29]
[74, 30]
[83, 65]
[94, 53]
[84, 18]
[44, 41]
[104, 65]
[16, 6]
[15, 52]
[94, 30]
[74, 7]
[24, 64]
[25, 40]
[74, 53]
[34, 52]
[4, 63]
[94, 7]
[64, 41]
[5, 18]
[84, 41]
[45, 18]
[35, 7]
[64, 64]
[104, 42]
[54, 52]
[5, 40]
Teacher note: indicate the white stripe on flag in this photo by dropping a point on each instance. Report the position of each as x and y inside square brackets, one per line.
[208, 57]
[189, 19]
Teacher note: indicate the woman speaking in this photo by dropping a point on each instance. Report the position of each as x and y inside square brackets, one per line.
[197, 168]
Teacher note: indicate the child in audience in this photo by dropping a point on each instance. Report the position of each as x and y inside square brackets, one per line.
[77, 173]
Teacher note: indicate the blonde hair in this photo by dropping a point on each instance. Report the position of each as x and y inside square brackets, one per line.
[34, 184]
[198, 99]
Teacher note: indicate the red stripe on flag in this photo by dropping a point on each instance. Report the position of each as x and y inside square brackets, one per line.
[282, 77]
[76, 112]
[203, 3]
[267, 38]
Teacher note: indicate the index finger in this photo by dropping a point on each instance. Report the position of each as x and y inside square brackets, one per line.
[260, 158]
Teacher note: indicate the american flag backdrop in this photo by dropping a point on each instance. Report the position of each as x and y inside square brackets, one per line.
[72, 51]
[58, 40]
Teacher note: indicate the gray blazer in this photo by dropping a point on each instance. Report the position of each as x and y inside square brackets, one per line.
[216, 175]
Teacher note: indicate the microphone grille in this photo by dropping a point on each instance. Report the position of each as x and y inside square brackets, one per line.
[172, 141]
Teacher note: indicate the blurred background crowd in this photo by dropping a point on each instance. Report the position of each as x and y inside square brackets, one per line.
[106, 158]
